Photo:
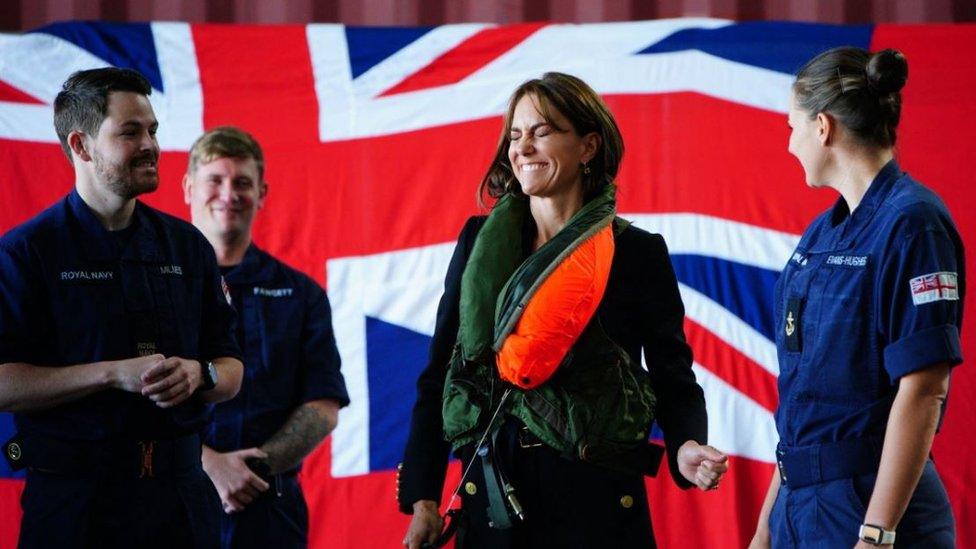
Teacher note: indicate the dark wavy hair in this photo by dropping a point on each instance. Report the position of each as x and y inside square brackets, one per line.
[574, 99]
[859, 89]
[82, 103]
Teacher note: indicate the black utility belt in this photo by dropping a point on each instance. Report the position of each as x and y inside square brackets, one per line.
[122, 458]
[644, 459]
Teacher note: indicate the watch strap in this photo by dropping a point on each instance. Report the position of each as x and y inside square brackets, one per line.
[208, 376]
[876, 535]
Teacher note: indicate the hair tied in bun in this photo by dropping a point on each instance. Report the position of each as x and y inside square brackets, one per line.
[887, 72]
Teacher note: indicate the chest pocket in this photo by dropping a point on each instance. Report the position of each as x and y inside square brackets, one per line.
[840, 362]
[180, 293]
[85, 304]
[272, 341]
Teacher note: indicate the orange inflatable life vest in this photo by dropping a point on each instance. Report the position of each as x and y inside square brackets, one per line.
[557, 313]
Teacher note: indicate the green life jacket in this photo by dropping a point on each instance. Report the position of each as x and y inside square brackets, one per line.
[599, 403]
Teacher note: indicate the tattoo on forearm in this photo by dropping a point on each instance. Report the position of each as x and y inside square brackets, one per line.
[301, 433]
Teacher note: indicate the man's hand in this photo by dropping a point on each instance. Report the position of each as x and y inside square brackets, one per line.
[128, 375]
[236, 483]
[171, 381]
[425, 525]
[702, 464]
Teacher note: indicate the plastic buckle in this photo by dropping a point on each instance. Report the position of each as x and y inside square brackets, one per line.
[524, 435]
[146, 449]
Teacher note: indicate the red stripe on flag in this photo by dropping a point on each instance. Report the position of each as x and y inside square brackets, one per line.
[938, 122]
[260, 79]
[16, 95]
[731, 366]
[687, 152]
[35, 175]
[723, 518]
[10, 490]
[466, 58]
[361, 511]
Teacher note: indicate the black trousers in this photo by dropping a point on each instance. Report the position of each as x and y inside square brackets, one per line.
[269, 521]
[566, 503]
[106, 511]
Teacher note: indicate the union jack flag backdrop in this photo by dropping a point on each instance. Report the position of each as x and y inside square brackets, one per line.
[376, 139]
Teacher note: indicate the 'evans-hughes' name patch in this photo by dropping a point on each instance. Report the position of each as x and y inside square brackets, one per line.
[847, 260]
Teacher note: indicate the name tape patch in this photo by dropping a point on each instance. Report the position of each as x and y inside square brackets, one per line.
[848, 260]
[799, 259]
[273, 292]
[931, 287]
[171, 270]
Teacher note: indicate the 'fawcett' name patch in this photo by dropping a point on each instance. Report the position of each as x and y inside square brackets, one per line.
[87, 275]
[273, 292]
[934, 287]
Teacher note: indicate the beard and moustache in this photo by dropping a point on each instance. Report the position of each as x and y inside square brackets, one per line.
[123, 180]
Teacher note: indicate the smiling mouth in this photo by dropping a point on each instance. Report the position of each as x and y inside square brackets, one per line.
[533, 166]
[145, 164]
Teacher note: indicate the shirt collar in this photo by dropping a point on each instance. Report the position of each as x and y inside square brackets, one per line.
[254, 268]
[841, 227]
[98, 242]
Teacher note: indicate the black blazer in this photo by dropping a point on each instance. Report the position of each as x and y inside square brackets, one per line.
[641, 310]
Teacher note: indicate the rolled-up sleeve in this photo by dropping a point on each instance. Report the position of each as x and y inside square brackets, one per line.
[920, 296]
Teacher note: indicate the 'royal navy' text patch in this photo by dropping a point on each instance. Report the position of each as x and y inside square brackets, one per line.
[934, 287]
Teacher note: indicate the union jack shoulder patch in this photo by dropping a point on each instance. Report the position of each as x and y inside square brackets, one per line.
[934, 287]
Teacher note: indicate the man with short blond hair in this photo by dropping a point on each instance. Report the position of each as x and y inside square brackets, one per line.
[292, 387]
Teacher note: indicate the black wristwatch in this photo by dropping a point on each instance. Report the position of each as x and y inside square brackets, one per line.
[208, 376]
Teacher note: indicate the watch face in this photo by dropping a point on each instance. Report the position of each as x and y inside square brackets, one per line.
[871, 534]
[209, 380]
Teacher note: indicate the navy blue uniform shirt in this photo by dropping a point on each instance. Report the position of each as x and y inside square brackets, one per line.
[866, 299]
[72, 292]
[290, 355]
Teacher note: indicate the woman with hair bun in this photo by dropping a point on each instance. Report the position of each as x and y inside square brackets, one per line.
[868, 313]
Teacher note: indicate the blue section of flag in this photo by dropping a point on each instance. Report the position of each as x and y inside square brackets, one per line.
[368, 46]
[7, 430]
[125, 45]
[745, 291]
[394, 358]
[782, 46]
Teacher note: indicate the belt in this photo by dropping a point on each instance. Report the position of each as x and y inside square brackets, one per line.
[644, 459]
[806, 465]
[122, 458]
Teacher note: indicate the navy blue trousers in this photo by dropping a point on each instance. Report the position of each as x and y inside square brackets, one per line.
[104, 511]
[269, 521]
[829, 514]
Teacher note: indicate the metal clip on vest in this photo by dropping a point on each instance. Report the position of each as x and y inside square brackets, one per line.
[452, 516]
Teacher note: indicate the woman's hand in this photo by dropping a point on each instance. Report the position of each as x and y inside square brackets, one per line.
[702, 465]
[425, 525]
